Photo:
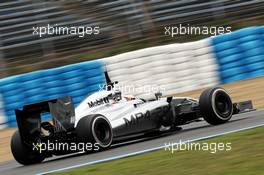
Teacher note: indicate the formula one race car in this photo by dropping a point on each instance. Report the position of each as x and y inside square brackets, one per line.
[107, 116]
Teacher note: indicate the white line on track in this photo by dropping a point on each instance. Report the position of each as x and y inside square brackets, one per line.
[146, 150]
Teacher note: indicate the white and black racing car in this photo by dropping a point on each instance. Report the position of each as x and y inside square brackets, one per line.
[108, 116]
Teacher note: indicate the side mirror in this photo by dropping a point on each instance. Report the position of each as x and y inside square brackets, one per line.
[158, 95]
[169, 99]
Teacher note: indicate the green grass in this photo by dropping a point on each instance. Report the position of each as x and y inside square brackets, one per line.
[245, 158]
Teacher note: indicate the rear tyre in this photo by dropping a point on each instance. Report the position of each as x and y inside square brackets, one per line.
[95, 129]
[22, 153]
[216, 106]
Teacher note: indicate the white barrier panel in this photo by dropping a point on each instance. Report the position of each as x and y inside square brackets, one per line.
[3, 119]
[170, 69]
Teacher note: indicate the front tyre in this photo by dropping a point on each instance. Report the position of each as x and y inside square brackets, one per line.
[95, 129]
[22, 153]
[216, 106]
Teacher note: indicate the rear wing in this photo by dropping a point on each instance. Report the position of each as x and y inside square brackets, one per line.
[29, 118]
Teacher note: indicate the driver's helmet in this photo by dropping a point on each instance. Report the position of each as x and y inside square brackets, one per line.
[115, 96]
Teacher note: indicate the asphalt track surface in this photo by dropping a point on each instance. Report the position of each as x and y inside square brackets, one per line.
[193, 131]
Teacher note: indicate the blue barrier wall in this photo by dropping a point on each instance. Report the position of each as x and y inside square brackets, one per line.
[240, 54]
[77, 80]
